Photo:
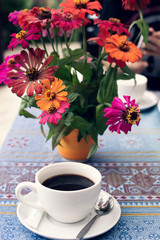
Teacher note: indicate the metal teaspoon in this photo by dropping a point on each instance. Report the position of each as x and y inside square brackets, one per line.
[103, 207]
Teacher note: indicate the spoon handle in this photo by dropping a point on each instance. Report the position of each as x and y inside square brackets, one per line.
[86, 228]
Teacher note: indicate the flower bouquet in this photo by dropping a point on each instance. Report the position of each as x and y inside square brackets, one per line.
[73, 91]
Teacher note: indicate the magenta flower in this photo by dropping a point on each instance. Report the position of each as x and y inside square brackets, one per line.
[13, 17]
[4, 69]
[34, 68]
[53, 114]
[121, 116]
[23, 37]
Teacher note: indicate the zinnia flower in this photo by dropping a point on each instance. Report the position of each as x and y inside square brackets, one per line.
[81, 7]
[13, 17]
[121, 116]
[38, 16]
[23, 37]
[33, 71]
[101, 39]
[120, 49]
[113, 25]
[4, 69]
[66, 20]
[53, 114]
[52, 94]
[135, 4]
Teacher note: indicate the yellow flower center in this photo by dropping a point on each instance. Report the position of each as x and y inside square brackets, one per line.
[50, 95]
[67, 16]
[52, 109]
[80, 4]
[124, 46]
[25, 10]
[114, 20]
[21, 35]
[11, 61]
[45, 14]
[32, 74]
[133, 115]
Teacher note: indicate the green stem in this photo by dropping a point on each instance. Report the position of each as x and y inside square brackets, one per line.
[139, 34]
[71, 37]
[100, 60]
[66, 42]
[50, 39]
[43, 43]
[24, 99]
[84, 43]
[34, 43]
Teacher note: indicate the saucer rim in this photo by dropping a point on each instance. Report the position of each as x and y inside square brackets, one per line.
[153, 96]
[21, 219]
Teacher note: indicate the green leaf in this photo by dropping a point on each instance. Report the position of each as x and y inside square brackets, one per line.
[26, 114]
[69, 119]
[92, 150]
[75, 55]
[57, 135]
[128, 71]
[42, 131]
[83, 68]
[50, 133]
[100, 119]
[144, 29]
[28, 102]
[108, 87]
[63, 73]
[73, 96]
[80, 123]
[126, 75]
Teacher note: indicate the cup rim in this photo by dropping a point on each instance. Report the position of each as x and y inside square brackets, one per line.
[122, 82]
[71, 191]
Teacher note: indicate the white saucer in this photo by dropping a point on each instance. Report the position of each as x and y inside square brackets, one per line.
[55, 230]
[148, 100]
[159, 105]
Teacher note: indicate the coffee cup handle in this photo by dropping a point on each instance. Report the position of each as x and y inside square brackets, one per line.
[22, 198]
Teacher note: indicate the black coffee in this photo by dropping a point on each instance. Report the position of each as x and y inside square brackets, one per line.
[68, 182]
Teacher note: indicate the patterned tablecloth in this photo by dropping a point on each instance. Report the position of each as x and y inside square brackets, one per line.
[130, 166]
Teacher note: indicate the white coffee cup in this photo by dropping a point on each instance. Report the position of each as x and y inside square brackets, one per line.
[132, 88]
[63, 206]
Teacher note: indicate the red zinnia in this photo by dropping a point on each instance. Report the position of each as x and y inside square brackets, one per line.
[38, 16]
[134, 4]
[101, 39]
[32, 72]
[81, 7]
[113, 25]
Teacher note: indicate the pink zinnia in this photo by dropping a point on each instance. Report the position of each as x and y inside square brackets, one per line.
[53, 114]
[23, 37]
[13, 17]
[121, 116]
[33, 72]
[4, 69]
[66, 20]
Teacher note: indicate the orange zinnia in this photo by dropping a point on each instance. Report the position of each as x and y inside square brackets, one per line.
[120, 49]
[52, 94]
[77, 7]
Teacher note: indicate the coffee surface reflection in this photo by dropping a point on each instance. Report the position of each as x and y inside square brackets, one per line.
[68, 182]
